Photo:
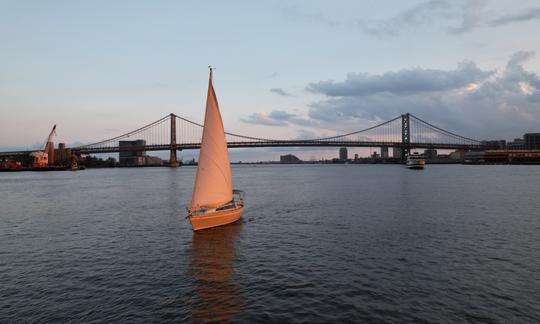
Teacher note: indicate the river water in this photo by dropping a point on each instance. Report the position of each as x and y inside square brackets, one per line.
[317, 243]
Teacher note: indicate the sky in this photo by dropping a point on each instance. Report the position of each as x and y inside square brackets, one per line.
[294, 69]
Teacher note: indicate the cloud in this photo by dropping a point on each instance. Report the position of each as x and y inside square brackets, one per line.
[402, 82]
[277, 118]
[471, 16]
[296, 13]
[281, 115]
[455, 17]
[306, 134]
[262, 118]
[468, 100]
[420, 15]
[524, 15]
[518, 58]
[450, 16]
[280, 92]
[272, 75]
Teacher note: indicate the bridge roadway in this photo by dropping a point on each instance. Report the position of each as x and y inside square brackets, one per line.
[278, 144]
[299, 143]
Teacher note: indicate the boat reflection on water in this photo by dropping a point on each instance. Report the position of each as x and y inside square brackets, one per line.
[212, 267]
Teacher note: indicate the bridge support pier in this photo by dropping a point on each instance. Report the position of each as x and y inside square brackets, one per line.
[405, 135]
[173, 161]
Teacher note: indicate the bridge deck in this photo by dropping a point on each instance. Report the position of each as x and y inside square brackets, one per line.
[279, 144]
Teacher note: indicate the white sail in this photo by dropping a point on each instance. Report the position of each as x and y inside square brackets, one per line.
[213, 182]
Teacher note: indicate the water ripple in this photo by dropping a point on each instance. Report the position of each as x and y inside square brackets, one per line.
[345, 243]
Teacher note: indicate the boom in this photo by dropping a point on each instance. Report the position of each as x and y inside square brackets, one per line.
[49, 139]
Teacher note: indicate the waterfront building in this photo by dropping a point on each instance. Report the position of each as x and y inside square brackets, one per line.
[457, 155]
[62, 155]
[430, 153]
[343, 155]
[289, 159]
[132, 157]
[153, 160]
[524, 156]
[397, 152]
[384, 152]
[504, 156]
[516, 144]
[495, 144]
[532, 141]
[496, 156]
[50, 153]
[475, 157]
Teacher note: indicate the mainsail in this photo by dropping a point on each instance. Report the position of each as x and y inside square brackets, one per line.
[213, 182]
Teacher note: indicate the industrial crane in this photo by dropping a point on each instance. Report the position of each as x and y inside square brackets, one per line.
[41, 157]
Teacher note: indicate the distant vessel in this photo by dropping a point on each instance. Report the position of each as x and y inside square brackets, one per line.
[415, 161]
[214, 202]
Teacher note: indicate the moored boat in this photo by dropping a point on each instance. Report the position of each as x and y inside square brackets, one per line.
[214, 203]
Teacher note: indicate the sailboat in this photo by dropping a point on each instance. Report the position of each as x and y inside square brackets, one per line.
[214, 202]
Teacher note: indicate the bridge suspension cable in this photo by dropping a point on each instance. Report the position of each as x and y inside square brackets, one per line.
[424, 128]
[155, 133]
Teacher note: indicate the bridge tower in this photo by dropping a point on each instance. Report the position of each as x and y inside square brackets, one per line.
[173, 162]
[405, 135]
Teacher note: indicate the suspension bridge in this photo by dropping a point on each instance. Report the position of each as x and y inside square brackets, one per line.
[175, 133]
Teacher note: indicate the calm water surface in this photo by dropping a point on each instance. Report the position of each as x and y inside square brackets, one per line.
[332, 243]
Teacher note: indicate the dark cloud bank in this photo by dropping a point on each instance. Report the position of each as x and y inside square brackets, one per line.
[503, 103]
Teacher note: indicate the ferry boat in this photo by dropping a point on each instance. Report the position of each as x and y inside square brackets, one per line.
[415, 161]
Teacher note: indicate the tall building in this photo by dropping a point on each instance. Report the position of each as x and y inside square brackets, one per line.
[128, 156]
[384, 152]
[532, 141]
[343, 154]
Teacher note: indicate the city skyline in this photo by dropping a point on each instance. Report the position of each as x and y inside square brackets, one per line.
[283, 71]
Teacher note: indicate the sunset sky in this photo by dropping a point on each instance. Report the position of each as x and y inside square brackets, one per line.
[294, 69]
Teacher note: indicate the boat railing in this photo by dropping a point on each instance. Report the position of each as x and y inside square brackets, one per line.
[238, 194]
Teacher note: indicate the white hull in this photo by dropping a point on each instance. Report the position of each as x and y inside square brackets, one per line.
[416, 164]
